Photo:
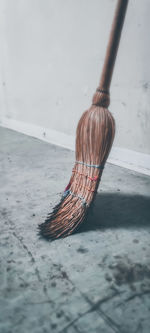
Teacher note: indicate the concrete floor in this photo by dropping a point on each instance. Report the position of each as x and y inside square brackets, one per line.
[97, 280]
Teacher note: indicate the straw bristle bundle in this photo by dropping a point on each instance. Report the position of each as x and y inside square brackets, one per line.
[94, 137]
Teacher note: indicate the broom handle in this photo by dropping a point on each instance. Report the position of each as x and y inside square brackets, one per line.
[113, 44]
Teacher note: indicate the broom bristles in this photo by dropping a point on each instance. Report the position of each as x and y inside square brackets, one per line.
[94, 138]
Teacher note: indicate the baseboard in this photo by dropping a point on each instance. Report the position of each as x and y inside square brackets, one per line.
[125, 158]
[39, 132]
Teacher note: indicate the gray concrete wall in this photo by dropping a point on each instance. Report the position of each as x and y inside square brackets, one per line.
[52, 56]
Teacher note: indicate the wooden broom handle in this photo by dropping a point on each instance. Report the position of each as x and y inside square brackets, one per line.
[113, 44]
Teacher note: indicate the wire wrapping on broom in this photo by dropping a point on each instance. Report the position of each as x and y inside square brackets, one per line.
[84, 203]
[95, 178]
[100, 166]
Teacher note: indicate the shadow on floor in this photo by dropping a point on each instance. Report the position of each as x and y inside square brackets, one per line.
[118, 210]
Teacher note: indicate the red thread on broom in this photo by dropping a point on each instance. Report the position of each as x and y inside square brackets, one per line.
[82, 174]
[67, 187]
[93, 178]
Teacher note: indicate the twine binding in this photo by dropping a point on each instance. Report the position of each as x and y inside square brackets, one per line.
[101, 166]
[66, 193]
[102, 91]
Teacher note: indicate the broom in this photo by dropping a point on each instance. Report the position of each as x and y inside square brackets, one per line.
[94, 138]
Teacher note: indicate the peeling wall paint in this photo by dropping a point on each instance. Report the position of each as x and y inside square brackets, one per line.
[52, 57]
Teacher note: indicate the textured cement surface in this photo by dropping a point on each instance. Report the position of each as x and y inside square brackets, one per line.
[97, 280]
